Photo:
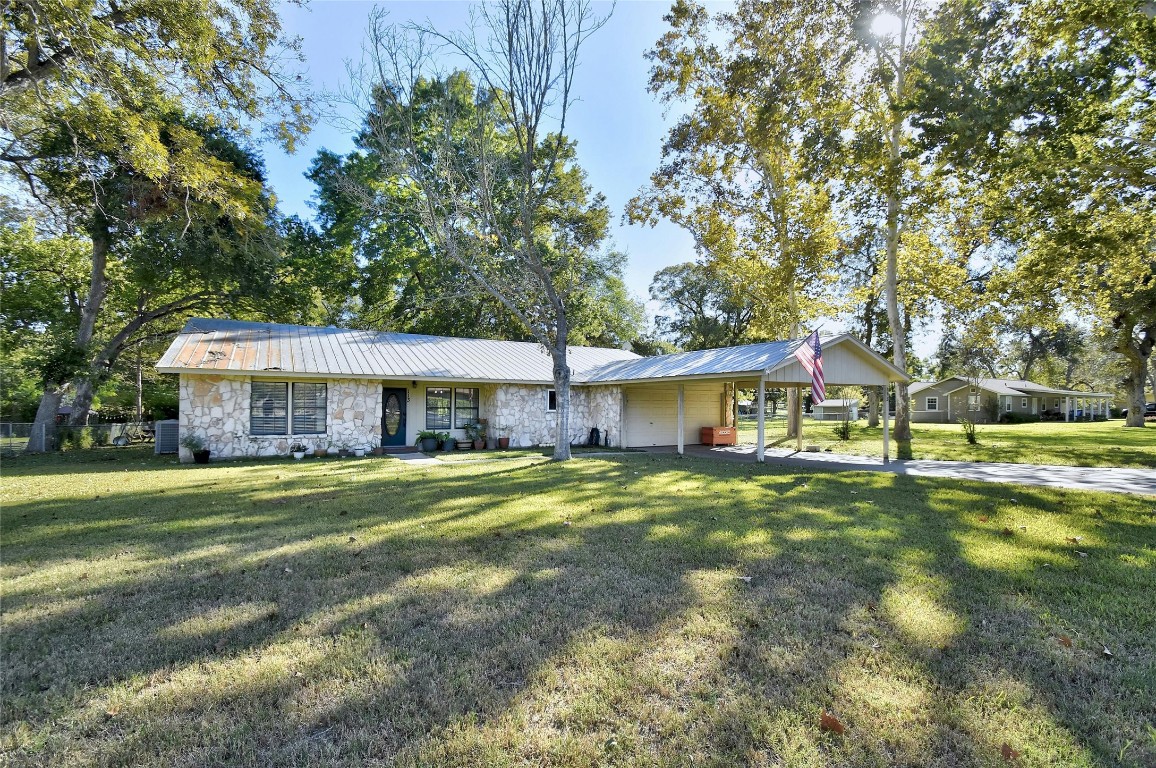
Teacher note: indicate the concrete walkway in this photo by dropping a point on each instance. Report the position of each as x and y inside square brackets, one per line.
[1110, 479]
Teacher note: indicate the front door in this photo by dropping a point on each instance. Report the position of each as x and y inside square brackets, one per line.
[393, 416]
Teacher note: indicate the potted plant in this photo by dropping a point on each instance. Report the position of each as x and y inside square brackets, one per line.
[379, 450]
[196, 446]
[449, 442]
[359, 452]
[427, 440]
[476, 434]
[298, 450]
[319, 451]
[344, 452]
[331, 449]
[503, 439]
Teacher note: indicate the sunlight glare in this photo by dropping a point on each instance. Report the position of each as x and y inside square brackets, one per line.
[886, 25]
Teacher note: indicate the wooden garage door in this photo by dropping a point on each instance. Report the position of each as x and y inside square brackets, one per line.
[652, 413]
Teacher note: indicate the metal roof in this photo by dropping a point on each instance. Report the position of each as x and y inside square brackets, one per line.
[223, 346]
[268, 349]
[747, 359]
[1021, 387]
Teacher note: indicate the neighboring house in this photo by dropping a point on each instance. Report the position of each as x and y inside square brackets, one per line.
[835, 410]
[989, 400]
[253, 389]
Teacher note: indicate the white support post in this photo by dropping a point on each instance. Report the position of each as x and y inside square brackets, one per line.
[799, 439]
[1067, 408]
[735, 408]
[886, 429]
[761, 445]
[681, 417]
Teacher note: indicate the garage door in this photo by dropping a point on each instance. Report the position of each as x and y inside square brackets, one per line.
[652, 413]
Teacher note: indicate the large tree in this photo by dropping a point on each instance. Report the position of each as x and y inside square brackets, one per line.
[702, 309]
[95, 101]
[1047, 109]
[503, 199]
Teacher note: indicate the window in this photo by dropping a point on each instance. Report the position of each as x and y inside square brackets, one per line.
[933, 403]
[1057, 403]
[438, 407]
[551, 401]
[973, 402]
[308, 408]
[1007, 405]
[1023, 402]
[465, 406]
[269, 408]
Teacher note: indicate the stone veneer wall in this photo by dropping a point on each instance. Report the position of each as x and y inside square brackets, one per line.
[217, 408]
[519, 411]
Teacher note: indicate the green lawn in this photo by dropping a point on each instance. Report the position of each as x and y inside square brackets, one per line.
[1087, 444]
[622, 610]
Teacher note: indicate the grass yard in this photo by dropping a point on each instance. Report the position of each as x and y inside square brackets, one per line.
[626, 610]
[1087, 444]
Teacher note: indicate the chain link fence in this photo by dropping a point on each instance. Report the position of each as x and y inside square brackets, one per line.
[14, 436]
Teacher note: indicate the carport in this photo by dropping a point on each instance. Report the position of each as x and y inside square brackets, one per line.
[667, 400]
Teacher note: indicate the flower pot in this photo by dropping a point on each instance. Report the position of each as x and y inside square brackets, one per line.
[429, 444]
[319, 452]
[465, 445]
[359, 452]
[379, 450]
[201, 457]
[479, 444]
[503, 443]
[449, 444]
[345, 453]
[299, 455]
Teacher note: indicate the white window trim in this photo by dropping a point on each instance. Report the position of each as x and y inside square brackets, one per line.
[547, 396]
[927, 403]
[1007, 405]
[289, 383]
[1023, 402]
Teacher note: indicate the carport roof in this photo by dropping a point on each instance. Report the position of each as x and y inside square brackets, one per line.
[749, 360]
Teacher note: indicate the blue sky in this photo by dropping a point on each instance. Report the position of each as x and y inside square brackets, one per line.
[618, 125]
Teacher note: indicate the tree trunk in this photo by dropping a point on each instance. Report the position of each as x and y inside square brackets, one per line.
[872, 406]
[562, 392]
[793, 394]
[82, 401]
[1136, 352]
[45, 420]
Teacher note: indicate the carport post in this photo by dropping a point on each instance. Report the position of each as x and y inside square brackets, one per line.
[886, 431]
[760, 446]
[681, 416]
[1067, 407]
[799, 434]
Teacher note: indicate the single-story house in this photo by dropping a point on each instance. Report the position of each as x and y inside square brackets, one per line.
[989, 400]
[253, 389]
[835, 409]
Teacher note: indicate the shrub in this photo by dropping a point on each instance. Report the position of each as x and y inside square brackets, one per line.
[102, 437]
[1020, 418]
[843, 430]
[969, 431]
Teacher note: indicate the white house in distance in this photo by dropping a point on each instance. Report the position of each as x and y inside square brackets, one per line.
[835, 409]
[954, 398]
[253, 389]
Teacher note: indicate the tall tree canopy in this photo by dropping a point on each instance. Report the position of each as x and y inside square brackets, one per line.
[1047, 110]
[96, 106]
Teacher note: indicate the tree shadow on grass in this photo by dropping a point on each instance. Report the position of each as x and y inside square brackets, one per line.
[465, 607]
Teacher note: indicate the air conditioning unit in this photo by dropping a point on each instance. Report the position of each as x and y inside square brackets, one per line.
[167, 436]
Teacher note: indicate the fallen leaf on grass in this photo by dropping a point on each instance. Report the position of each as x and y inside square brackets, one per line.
[747, 579]
[1108, 654]
[1073, 539]
[1065, 641]
[1008, 753]
[983, 518]
[828, 722]
[1081, 554]
[1008, 532]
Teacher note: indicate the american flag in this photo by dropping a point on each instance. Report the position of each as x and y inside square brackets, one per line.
[811, 356]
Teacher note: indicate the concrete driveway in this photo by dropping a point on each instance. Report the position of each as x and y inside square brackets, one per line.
[1110, 479]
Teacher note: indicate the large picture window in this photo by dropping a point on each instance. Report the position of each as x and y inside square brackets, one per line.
[308, 408]
[465, 406]
[269, 408]
[438, 408]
